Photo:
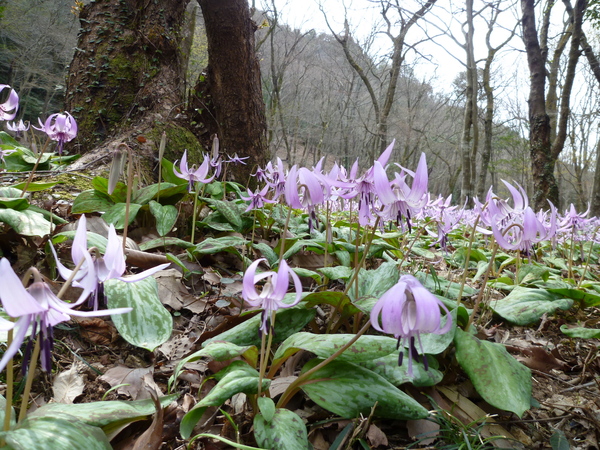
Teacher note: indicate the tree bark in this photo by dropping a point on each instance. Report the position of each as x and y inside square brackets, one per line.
[227, 99]
[542, 163]
[129, 65]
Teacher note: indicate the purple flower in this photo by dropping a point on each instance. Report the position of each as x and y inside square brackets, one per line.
[36, 306]
[523, 234]
[271, 297]
[8, 109]
[257, 199]
[235, 159]
[406, 310]
[60, 127]
[192, 174]
[400, 200]
[17, 128]
[96, 271]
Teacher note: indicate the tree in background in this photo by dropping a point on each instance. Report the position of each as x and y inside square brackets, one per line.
[227, 99]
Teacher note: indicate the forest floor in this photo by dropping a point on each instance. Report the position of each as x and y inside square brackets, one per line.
[93, 363]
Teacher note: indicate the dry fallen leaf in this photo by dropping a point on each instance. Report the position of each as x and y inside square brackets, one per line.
[136, 382]
[96, 330]
[174, 294]
[68, 385]
[178, 346]
[376, 437]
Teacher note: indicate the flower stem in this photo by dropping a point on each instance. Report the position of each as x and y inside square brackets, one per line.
[9, 385]
[30, 179]
[29, 382]
[128, 201]
[194, 215]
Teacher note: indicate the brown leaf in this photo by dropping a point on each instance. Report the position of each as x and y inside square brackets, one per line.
[538, 358]
[174, 294]
[178, 346]
[151, 439]
[423, 428]
[376, 437]
[96, 330]
[136, 382]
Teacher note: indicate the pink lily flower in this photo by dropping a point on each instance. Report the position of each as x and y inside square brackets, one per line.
[8, 109]
[193, 175]
[273, 292]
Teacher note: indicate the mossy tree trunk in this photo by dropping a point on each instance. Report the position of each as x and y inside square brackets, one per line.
[129, 65]
[227, 99]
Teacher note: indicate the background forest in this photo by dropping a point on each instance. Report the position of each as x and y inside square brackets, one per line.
[327, 92]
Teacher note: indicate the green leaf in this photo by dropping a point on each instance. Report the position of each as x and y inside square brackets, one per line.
[523, 306]
[216, 245]
[349, 390]
[149, 324]
[499, 378]
[267, 252]
[230, 211]
[586, 299]
[338, 300]
[302, 272]
[285, 431]
[162, 190]
[168, 174]
[27, 222]
[444, 287]
[109, 415]
[581, 332]
[55, 433]
[13, 417]
[374, 283]
[35, 187]
[287, 322]
[559, 441]
[435, 344]
[91, 201]
[218, 351]
[300, 245]
[337, 272]
[387, 366]
[235, 378]
[266, 407]
[119, 194]
[18, 204]
[165, 216]
[164, 241]
[116, 214]
[324, 345]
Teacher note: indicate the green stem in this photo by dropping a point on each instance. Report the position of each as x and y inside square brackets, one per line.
[295, 385]
[284, 233]
[481, 289]
[30, 178]
[29, 382]
[128, 201]
[9, 385]
[194, 215]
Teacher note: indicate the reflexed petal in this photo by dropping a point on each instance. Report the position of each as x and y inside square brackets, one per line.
[16, 300]
[114, 257]
[145, 274]
[21, 327]
[248, 290]
[79, 247]
[382, 185]
[385, 156]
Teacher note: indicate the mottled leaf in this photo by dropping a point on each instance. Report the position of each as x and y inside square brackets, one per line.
[499, 378]
[149, 324]
[285, 431]
[523, 306]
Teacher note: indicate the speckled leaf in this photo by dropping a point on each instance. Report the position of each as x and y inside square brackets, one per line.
[27, 222]
[91, 201]
[286, 431]
[586, 299]
[109, 415]
[55, 433]
[349, 390]
[387, 366]
[93, 239]
[287, 322]
[373, 283]
[337, 272]
[338, 300]
[324, 345]
[215, 245]
[444, 287]
[235, 378]
[230, 211]
[266, 407]
[116, 214]
[165, 216]
[581, 332]
[499, 378]
[267, 252]
[149, 324]
[218, 351]
[147, 193]
[524, 306]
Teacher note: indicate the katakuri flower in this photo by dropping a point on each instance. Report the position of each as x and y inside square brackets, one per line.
[97, 270]
[406, 310]
[17, 127]
[60, 127]
[38, 307]
[257, 198]
[271, 297]
[193, 175]
[8, 109]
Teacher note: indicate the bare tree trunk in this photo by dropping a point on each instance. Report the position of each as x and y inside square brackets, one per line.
[129, 64]
[542, 164]
[229, 96]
